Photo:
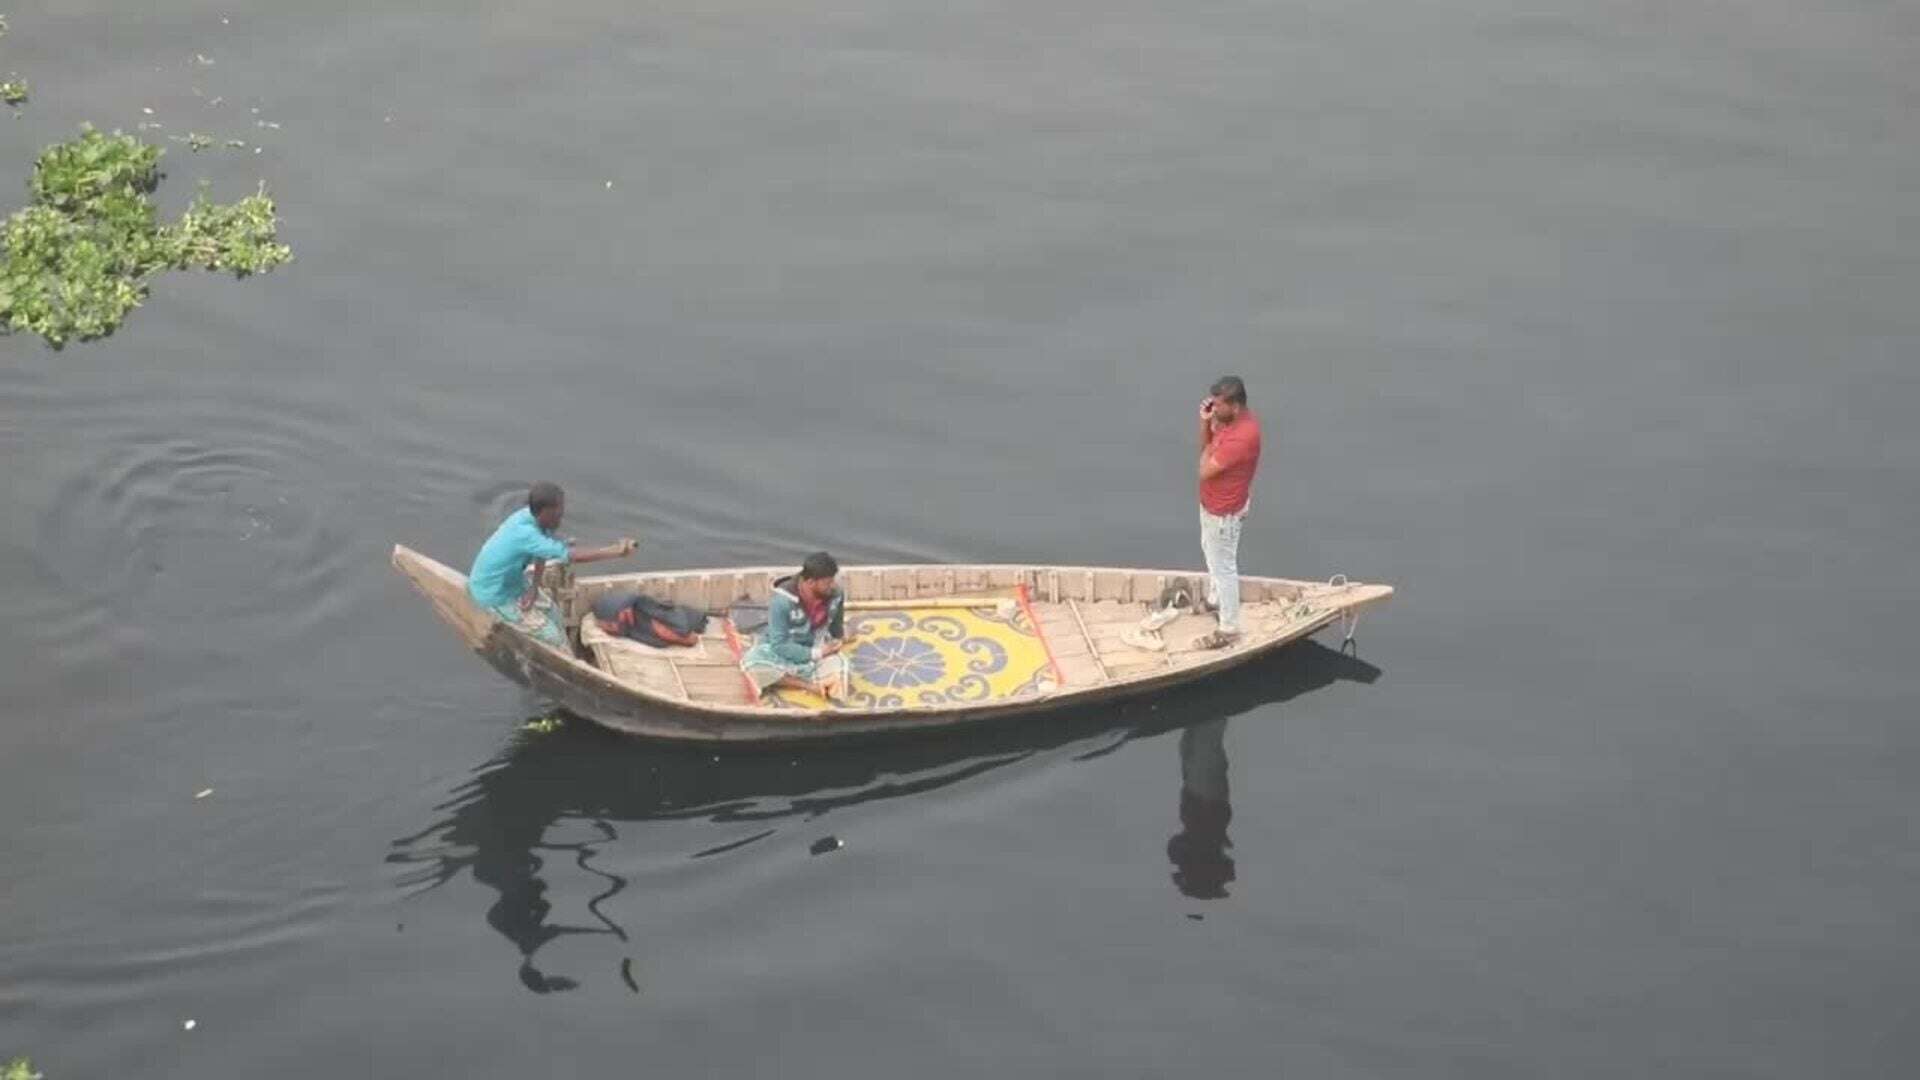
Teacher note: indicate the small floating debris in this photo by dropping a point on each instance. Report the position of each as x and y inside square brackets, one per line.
[609, 185]
[203, 61]
[197, 142]
[267, 124]
[626, 974]
[543, 725]
[189, 1025]
[237, 144]
[824, 845]
[215, 101]
[151, 125]
[1195, 916]
[14, 91]
[203, 793]
[146, 109]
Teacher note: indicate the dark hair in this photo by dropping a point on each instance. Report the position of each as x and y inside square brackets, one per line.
[819, 565]
[1231, 388]
[542, 495]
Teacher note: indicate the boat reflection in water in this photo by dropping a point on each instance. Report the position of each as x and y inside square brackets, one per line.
[559, 799]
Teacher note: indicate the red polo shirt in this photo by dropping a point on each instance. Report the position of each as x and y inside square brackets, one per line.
[1237, 447]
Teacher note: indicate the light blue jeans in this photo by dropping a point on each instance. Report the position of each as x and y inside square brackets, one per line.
[1220, 541]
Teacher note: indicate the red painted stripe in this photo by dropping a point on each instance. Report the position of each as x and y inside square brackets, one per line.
[1026, 605]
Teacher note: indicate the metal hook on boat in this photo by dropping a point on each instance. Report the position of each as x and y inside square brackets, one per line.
[1349, 618]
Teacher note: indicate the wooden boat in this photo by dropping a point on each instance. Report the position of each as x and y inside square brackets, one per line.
[934, 646]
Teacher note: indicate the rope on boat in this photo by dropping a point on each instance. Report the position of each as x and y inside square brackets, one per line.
[1349, 617]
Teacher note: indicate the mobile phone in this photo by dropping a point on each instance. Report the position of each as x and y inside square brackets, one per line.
[1206, 406]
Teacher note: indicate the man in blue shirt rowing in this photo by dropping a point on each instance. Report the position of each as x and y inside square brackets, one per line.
[500, 581]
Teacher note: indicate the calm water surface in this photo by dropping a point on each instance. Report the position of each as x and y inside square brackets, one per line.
[1590, 325]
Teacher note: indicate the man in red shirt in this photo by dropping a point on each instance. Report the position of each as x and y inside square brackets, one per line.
[1229, 454]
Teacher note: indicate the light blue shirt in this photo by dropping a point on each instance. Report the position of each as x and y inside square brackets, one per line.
[499, 574]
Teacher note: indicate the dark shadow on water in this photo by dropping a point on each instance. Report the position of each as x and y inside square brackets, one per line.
[1201, 866]
[496, 824]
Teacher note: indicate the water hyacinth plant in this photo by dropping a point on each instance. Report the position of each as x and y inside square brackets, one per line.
[13, 91]
[78, 258]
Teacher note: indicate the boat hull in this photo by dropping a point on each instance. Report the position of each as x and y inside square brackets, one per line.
[585, 690]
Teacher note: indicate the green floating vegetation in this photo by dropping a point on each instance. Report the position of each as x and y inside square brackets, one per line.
[13, 91]
[79, 257]
[19, 1068]
[544, 725]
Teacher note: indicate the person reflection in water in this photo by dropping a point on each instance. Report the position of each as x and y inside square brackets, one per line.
[539, 824]
[1201, 866]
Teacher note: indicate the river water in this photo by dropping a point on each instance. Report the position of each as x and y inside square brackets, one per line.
[1591, 326]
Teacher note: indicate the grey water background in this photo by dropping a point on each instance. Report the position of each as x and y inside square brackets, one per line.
[1592, 326]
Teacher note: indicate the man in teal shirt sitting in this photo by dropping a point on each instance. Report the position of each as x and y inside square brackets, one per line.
[804, 645]
[500, 582]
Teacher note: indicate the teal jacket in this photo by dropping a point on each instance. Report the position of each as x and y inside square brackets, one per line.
[789, 635]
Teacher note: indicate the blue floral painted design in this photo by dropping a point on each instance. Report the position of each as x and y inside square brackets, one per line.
[988, 655]
[898, 662]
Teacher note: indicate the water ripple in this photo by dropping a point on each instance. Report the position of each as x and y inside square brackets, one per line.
[85, 971]
[217, 527]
